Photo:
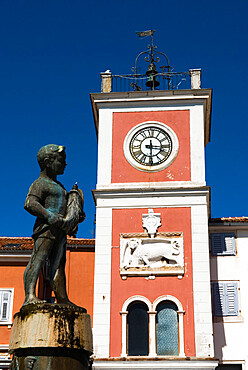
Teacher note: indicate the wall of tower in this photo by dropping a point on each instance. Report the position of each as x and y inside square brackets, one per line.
[179, 170]
[178, 193]
[129, 220]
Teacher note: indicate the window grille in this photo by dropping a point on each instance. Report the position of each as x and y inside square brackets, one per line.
[167, 329]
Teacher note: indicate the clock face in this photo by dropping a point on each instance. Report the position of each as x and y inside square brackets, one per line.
[150, 146]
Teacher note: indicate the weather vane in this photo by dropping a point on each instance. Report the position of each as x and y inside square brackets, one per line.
[152, 57]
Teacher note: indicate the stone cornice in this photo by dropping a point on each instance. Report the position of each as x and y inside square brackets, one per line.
[155, 97]
[149, 192]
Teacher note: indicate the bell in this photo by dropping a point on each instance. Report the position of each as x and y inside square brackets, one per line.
[152, 82]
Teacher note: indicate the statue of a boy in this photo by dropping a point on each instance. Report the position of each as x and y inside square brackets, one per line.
[58, 215]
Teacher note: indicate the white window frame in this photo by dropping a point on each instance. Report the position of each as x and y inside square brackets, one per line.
[10, 308]
[152, 322]
[5, 359]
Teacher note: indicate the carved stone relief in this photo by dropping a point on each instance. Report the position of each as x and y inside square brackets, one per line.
[141, 255]
[151, 253]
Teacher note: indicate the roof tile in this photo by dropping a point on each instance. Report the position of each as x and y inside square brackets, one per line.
[229, 219]
[27, 243]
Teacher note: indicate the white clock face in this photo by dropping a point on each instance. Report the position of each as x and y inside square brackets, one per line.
[151, 146]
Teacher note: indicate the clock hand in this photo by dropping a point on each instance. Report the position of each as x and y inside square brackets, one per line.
[151, 147]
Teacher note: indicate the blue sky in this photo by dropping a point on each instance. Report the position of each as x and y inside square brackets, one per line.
[52, 53]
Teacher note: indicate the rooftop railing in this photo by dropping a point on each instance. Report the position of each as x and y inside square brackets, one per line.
[159, 81]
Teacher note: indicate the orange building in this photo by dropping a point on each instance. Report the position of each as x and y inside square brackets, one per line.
[14, 256]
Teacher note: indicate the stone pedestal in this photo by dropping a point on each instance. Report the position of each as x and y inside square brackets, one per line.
[50, 337]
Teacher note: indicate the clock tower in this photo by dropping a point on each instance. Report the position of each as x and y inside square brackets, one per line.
[152, 299]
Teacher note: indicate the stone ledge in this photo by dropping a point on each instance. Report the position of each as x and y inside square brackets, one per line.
[159, 363]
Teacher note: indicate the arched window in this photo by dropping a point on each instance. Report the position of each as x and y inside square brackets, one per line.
[138, 329]
[167, 329]
[152, 329]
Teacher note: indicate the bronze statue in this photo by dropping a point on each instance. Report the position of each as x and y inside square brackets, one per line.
[58, 215]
